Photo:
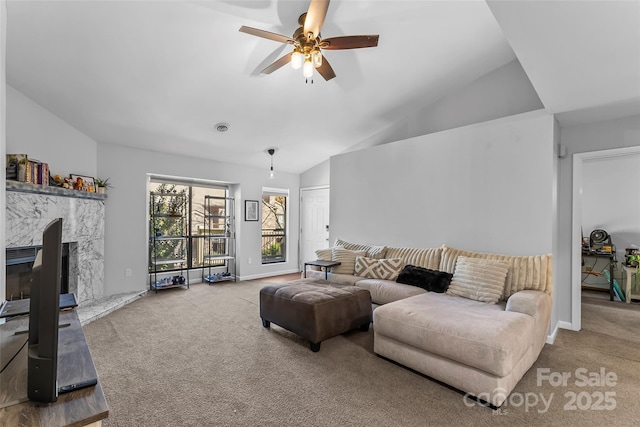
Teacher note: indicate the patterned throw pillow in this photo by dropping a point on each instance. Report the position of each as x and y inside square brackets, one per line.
[479, 279]
[388, 269]
[346, 258]
[366, 267]
[370, 268]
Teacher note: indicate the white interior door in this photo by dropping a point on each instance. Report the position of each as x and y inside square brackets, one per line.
[314, 233]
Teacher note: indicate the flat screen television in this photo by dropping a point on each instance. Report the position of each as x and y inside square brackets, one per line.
[44, 314]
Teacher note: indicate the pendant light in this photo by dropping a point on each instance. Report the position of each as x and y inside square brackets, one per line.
[271, 151]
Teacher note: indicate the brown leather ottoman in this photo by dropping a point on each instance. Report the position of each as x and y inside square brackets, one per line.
[314, 309]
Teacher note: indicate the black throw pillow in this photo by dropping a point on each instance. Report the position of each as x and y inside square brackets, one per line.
[431, 280]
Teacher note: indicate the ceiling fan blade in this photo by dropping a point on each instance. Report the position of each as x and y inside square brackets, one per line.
[350, 42]
[325, 69]
[266, 34]
[315, 17]
[277, 64]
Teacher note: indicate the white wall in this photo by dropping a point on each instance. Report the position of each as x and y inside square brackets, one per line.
[37, 132]
[126, 211]
[69, 151]
[3, 144]
[582, 138]
[485, 187]
[318, 175]
[610, 201]
[504, 92]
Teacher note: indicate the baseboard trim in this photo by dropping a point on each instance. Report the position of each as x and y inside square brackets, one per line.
[560, 325]
[195, 275]
[552, 336]
[271, 274]
[566, 325]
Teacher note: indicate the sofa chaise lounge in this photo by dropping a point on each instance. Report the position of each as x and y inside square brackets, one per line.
[480, 336]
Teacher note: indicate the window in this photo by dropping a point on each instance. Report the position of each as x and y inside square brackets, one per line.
[195, 208]
[209, 201]
[274, 227]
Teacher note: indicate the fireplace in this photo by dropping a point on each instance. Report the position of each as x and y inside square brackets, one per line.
[19, 263]
[31, 207]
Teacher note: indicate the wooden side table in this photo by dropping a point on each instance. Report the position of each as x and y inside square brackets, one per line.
[630, 271]
[319, 263]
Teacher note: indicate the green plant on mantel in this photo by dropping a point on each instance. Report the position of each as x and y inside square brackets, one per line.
[102, 182]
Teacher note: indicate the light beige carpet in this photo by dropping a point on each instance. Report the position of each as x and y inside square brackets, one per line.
[613, 318]
[200, 357]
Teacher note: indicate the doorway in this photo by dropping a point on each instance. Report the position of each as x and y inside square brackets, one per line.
[579, 160]
[314, 222]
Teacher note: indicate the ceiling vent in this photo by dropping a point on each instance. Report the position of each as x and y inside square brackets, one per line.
[222, 127]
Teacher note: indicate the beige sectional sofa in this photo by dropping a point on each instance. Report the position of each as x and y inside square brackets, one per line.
[481, 336]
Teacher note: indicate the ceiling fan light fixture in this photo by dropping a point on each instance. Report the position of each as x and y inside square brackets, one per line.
[308, 44]
[316, 58]
[307, 69]
[296, 60]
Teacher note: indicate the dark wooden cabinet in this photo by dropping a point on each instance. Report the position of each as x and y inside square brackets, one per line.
[82, 407]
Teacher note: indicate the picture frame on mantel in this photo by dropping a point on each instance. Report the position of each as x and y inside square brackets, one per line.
[83, 183]
[251, 210]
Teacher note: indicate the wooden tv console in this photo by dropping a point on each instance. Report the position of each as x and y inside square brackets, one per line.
[83, 407]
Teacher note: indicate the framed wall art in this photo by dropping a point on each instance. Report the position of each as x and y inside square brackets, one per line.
[83, 183]
[251, 210]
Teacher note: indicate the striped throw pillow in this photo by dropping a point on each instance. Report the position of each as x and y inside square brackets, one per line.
[376, 252]
[346, 258]
[324, 254]
[479, 279]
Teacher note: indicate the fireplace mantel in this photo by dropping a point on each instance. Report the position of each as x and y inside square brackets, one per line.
[29, 208]
[24, 187]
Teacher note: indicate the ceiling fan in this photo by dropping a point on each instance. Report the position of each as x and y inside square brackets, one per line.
[307, 44]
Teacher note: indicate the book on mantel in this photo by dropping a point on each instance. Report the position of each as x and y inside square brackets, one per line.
[31, 171]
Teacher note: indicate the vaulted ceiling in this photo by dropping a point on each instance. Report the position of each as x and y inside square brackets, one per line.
[159, 75]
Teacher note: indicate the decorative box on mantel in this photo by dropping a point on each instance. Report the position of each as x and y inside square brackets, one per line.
[31, 207]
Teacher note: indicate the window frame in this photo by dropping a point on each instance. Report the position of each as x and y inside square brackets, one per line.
[191, 238]
[284, 255]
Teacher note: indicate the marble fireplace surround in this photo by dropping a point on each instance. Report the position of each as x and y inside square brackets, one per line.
[30, 208]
